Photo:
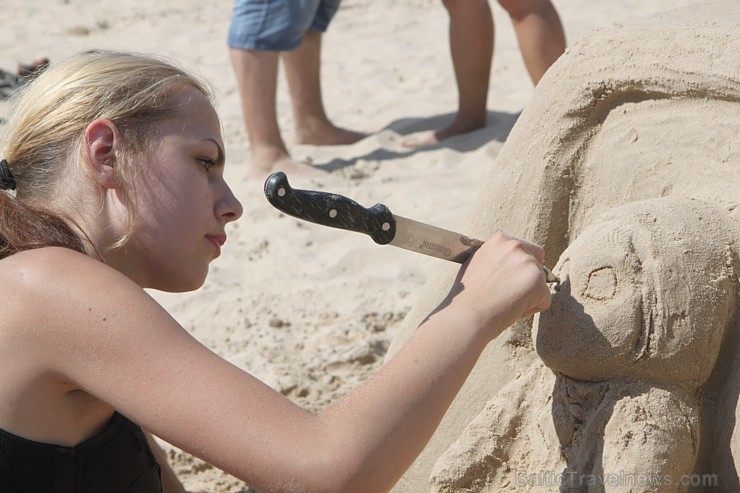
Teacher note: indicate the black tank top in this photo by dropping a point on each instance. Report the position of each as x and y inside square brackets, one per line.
[117, 460]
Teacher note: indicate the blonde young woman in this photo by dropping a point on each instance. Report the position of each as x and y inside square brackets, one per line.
[113, 175]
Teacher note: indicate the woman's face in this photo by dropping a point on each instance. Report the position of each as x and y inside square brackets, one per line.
[183, 203]
[595, 324]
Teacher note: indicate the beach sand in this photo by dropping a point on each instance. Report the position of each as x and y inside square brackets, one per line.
[311, 310]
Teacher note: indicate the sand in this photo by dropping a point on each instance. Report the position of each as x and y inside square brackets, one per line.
[311, 310]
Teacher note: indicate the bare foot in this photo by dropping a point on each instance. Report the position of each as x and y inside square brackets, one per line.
[419, 139]
[422, 139]
[392, 141]
[265, 163]
[323, 135]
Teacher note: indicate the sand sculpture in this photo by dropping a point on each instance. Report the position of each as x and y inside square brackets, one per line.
[640, 111]
[633, 335]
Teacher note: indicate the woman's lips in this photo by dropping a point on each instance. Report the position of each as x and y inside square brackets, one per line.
[217, 241]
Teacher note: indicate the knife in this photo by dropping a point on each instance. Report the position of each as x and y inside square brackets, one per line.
[384, 227]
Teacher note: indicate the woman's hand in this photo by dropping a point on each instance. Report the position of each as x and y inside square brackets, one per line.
[503, 281]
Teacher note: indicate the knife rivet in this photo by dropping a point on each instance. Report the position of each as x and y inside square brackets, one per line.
[281, 192]
[333, 213]
[386, 226]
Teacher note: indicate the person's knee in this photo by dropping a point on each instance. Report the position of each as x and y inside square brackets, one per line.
[521, 8]
[450, 5]
[454, 6]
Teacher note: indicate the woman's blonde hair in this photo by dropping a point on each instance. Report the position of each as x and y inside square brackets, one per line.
[51, 113]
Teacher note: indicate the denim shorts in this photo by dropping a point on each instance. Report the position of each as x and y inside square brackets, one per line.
[277, 25]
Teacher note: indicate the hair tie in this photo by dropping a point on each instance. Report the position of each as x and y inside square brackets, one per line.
[7, 181]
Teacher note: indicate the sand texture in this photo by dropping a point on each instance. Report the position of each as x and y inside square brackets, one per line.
[636, 110]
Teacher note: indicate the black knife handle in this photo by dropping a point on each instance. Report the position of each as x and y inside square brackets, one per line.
[330, 209]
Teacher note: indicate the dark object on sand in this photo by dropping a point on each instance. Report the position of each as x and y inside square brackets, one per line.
[9, 81]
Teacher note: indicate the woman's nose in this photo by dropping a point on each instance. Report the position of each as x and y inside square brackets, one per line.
[229, 206]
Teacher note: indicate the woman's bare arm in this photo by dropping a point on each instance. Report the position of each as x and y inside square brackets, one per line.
[105, 334]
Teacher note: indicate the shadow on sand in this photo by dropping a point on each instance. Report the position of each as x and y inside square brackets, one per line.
[498, 128]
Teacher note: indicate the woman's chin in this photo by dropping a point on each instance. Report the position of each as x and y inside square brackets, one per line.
[181, 284]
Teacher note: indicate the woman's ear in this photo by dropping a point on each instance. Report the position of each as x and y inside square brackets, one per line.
[101, 140]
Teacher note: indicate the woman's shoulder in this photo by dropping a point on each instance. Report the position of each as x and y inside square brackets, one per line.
[48, 253]
[42, 261]
[64, 294]
[44, 272]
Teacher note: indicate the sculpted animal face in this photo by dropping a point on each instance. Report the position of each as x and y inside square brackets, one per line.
[646, 294]
[594, 323]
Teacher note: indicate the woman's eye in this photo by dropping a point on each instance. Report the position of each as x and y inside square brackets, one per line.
[208, 163]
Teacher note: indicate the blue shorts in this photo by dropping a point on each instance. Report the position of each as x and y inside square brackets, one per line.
[277, 25]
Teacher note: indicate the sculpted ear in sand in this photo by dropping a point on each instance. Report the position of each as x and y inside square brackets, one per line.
[630, 340]
[638, 111]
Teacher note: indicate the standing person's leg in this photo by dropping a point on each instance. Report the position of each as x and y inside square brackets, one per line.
[303, 72]
[539, 31]
[256, 74]
[259, 30]
[471, 49]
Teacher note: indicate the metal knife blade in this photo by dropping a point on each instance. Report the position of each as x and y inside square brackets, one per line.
[384, 227]
[433, 241]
